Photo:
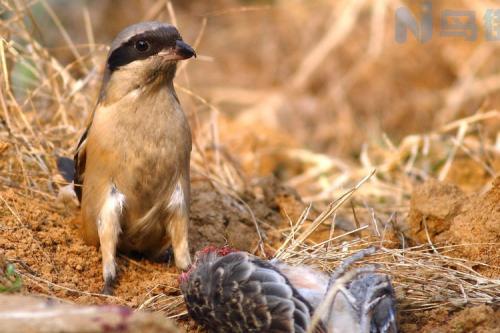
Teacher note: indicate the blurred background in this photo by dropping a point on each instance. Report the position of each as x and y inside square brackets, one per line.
[327, 76]
[316, 93]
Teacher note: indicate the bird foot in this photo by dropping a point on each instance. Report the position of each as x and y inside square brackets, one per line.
[109, 286]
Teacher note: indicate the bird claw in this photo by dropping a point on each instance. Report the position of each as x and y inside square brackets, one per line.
[107, 290]
[109, 286]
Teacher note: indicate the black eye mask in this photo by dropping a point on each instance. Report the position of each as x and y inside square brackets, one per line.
[143, 46]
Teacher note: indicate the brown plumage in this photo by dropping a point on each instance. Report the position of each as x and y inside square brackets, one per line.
[227, 291]
[132, 162]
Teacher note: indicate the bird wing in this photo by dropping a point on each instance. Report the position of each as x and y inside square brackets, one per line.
[240, 293]
[80, 159]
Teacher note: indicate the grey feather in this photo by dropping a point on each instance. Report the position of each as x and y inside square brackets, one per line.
[241, 293]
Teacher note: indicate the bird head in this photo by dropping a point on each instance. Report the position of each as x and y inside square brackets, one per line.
[144, 54]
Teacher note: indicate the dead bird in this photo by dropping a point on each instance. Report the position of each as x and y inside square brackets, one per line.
[131, 167]
[232, 291]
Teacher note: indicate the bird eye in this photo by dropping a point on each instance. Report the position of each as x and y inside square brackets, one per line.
[141, 46]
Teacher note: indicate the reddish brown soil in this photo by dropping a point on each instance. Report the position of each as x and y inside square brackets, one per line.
[479, 225]
[219, 220]
[45, 242]
[455, 218]
[478, 319]
[42, 238]
[444, 214]
[433, 207]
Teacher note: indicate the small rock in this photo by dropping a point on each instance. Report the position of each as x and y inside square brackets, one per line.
[433, 206]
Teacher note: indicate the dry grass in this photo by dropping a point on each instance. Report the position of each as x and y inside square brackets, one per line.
[45, 99]
[422, 279]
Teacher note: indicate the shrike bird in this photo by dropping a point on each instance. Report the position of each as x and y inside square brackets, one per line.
[131, 168]
[228, 291]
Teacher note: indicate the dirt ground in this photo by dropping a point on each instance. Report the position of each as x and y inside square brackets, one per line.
[478, 319]
[442, 213]
[42, 238]
[453, 217]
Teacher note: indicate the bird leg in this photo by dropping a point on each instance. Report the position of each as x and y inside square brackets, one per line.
[178, 228]
[179, 235]
[108, 228]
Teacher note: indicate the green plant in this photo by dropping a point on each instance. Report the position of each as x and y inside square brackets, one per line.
[10, 280]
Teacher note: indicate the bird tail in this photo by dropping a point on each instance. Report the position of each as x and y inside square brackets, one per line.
[66, 167]
[67, 193]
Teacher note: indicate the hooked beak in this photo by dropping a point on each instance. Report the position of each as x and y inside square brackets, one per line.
[181, 51]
